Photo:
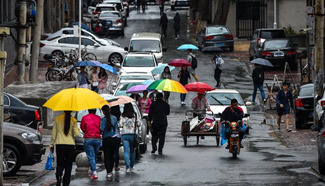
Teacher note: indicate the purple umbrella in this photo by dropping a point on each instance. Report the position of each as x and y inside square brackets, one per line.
[137, 89]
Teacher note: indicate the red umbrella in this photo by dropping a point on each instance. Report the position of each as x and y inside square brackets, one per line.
[198, 87]
[179, 63]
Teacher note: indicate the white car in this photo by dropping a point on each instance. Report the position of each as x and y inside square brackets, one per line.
[128, 80]
[319, 107]
[220, 99]
[104, 53]
[139, 63]
[179, 3]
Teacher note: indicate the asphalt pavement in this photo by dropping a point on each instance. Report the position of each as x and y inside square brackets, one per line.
[263, 161]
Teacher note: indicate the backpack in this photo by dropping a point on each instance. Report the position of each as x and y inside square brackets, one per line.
[219, 61]
[194, 62]
[259, 76]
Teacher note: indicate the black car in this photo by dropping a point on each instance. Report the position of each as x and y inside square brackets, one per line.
[16, 111]
[260, 35]
[278, 51]
[22, 146]
[304, 105]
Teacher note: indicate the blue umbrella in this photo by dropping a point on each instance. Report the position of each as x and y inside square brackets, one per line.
[147, 82]
[187, 46]
[160, 68]
[261, 61]
[87, 63]
[108, 68]
[83, 26]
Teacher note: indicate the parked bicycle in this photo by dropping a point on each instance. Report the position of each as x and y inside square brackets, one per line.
[85, 55]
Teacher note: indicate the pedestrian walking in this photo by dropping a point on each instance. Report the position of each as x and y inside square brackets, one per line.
[102, 80]
[283, 99]
[258, 80]
[83, 78]
[192, 59]
[158, 116]
[177, 24]
[218, 63]
[161, 6]
[152, 95]
[90, 126]
[94, 80]
[64, 130]
[115, 111]
[166, 75]
[143, 5]
[163, 24]
[108, 127]
[139, 2]
[144, 103]
[183, 77]
[128, 124]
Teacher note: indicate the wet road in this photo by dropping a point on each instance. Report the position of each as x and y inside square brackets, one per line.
[263, 160]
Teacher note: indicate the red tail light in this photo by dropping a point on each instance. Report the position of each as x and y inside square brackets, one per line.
[41, 45]
[299, 103]
[323, 134]
[291, 52]
[37, 115]
[229, 36]
[119, 21]
[258, 42]
[266, 53]
[322, 103]
[209, 37]
[94, 13]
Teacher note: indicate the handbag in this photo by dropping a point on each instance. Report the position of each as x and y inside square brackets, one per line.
[50, 161]
[95, 84]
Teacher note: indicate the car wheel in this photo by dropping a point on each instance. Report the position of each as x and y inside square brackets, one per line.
[172, 7]
[321, 166]
[11, 160]
[115, 59]
[231, 48]
[58, 54]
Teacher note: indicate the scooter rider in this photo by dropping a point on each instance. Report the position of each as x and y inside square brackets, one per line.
[233, 113]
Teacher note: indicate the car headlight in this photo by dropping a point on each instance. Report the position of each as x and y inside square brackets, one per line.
[30, 136]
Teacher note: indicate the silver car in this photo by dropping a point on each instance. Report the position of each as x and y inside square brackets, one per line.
[113, 20]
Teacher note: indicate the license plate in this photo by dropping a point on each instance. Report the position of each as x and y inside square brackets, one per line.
[219, 44]
[278, 54]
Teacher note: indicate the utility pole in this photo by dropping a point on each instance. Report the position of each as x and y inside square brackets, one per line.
[319, 56]
[36, 40]
[4, 31]
[22, 41]
[28, 52]
[275, 25]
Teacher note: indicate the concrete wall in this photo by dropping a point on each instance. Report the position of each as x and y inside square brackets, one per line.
[292, 12]
[231, 19]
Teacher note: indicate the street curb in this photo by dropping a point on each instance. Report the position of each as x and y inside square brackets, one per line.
[39, 175]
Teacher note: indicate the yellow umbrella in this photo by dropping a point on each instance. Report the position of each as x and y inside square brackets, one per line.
[75, 99]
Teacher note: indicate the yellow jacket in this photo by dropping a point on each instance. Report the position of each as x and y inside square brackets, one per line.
[58, 136]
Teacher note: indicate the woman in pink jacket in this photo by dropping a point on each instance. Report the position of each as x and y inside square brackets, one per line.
[144, 103]
[102, 81]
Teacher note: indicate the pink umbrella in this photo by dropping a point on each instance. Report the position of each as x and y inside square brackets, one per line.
[179, 63]
[137, 89]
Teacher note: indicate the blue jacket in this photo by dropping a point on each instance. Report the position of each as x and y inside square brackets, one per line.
[284, 99]
[103, 127]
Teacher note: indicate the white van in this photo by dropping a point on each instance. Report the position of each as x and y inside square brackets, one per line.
[147, 42]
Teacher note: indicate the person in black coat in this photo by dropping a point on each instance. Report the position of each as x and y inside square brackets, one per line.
[258, 80]
[177, 24]
[158, 112]
[163, 23]
[183, 77]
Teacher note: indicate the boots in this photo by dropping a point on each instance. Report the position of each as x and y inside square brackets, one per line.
[58, 180]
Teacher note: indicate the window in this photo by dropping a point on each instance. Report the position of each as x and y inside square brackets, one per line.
[6, 100]
[223, 98]
[69, 40]
[307, 91]
[277, 44]
[64, 40]
[139, 61]
[145, 46]
[217, 30]
[85, 41]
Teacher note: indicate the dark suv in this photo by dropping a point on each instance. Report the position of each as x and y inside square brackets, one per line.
[22, 146]
[260, 35]
[304, 106]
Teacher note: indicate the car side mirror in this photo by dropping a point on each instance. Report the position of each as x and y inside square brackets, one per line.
[248, 103]
[164, 49]
[126, 48]
[96, 45]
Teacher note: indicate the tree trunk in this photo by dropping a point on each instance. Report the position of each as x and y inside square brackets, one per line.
[220, 18]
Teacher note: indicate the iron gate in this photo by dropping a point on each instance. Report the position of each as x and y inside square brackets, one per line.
[250, 15]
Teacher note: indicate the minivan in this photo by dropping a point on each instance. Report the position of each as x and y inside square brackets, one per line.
[147, 42]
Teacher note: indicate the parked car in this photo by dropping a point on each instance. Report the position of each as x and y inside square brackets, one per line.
[99, 8]
[113, 20]
[21, 113]
[260, 35]
[215, 37]
[21, 146]
[63, 44]
[70, 31]
[147, 42]
[179, 3]
[320, 107]
[120, 7]
[304, 105]
[278, 51]
[124, 82]
[139, 63]
[220, 99]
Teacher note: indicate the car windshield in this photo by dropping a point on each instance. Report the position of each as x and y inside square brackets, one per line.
[217, 30]
[145, 46]
[277, 44]
[139, 61]
[307, 91]
[109, 14]
[223, 98]
[100, 9]
[269, 34]
[137, 77]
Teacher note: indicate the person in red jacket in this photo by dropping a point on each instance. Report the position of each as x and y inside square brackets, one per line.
[90, 126]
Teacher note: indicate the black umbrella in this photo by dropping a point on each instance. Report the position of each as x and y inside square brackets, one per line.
[261, 61]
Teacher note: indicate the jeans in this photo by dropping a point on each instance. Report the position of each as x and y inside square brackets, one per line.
[128, 144]
[183, 96]
[259, 86]
[92, 147]
[117, 155]
[109, 147]
[65, 155]
[158, 133]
